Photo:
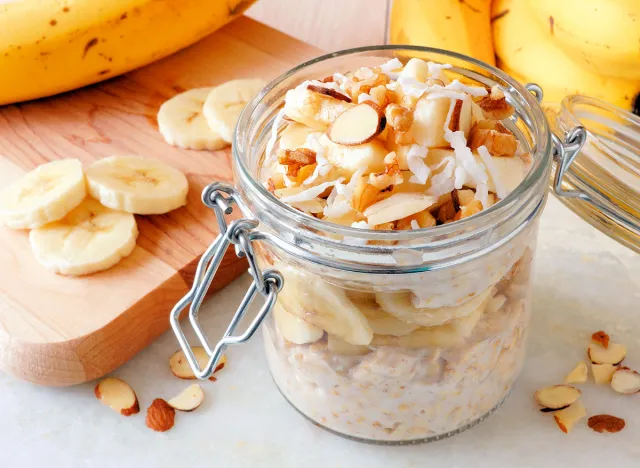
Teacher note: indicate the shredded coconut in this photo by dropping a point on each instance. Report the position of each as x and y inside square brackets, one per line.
[443, 182]
[414, 224]
[475, 91]
[338, 203]
[388, 68]
[482, 195]
[364, 97]
[274, 134]
[310, 193]
[435, 70]
[501, 190]
[415, 161]
[323, 165]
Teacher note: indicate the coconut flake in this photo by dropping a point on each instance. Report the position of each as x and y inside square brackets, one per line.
[443, 182]
[501, 190]
[364, 97]
[316, 205]
[414, 224]
[475, 91]
[323, 166]
[415, 161]
[388, 68]
[338, 203]
[435, 70]
[482, 195]
[310, 193]
[274, 134]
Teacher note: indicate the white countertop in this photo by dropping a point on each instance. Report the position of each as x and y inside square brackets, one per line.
[584, 282]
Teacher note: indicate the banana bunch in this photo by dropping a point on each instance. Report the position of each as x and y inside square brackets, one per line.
[51, 46]
[82, 221]
[589, 47]
[462, 26]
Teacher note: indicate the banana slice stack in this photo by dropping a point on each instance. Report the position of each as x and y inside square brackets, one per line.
[204, 118]
[83, 222]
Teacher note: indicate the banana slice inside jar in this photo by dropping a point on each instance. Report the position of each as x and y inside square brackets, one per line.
[400, 306]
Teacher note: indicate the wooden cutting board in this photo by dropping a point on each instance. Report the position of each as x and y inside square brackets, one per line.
[60, 331]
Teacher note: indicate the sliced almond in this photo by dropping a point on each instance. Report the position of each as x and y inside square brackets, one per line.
[357, 125]
[566, 418]
[189, 399]
[606, 423]
[160, 416]
[613, 354]
[117, 395]
[329, 92]
[181, 368]
[602, 373]
[601, 338]
[626, 381]
[578, 375]
[398, 206]
[557, 396]
[461, 117]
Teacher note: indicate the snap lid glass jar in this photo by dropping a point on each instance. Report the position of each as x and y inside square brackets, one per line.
[378, 335]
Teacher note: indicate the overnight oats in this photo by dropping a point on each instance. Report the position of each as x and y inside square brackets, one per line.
[422, 346]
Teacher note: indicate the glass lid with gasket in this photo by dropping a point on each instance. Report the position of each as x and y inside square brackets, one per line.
[600, 182]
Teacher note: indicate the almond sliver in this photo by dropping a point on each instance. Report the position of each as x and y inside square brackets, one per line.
[613, 354]
[398, 206]
[625, 381]
[557, 396]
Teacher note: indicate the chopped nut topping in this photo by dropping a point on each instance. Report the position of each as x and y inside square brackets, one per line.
[495, 108]
[606, 423]
[471, 208]
[398, 117]
[364, 80]
[454, 123]
[602, 338]
[424, 219]
[296, 159]
[328, 79]
[391, 175]
[366, 195]
[464, 197]
[499, 142]
[446, 212]
[382, 96]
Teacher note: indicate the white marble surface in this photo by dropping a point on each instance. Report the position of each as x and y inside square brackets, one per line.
[584, 282]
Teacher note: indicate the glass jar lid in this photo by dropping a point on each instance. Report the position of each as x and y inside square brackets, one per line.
[597, 170]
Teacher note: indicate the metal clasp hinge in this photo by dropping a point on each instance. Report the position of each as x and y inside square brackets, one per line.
[268, 283]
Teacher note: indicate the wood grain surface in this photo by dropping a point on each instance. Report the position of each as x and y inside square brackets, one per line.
[56, 330]
[327, 24]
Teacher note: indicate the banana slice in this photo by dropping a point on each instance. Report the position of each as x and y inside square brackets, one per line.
[137, 185]
[381, 322]
[295, 329]
[325, 306]
[90, 238]
[295, 135]
[43, 195]
[182, 123]
[400, 306]
[225, 103]
[450, 335]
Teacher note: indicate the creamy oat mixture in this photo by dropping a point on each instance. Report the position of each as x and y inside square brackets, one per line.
[395, 148]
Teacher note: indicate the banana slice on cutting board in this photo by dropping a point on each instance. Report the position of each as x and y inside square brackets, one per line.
[295, 329]
[90, 238]
[381, 322]
[43, 195]
[400, 306]
[325, 306]
[137, 185]
[182, 123]
[452, 334]
[225, 103]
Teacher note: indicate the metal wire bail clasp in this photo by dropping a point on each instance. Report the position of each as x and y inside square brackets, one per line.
[268, 283]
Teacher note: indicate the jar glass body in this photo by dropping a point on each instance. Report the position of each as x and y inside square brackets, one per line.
[396, 337]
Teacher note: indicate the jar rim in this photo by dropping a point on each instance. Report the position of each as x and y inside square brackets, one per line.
[453, 232]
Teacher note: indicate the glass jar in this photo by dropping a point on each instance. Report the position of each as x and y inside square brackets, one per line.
[382, 336]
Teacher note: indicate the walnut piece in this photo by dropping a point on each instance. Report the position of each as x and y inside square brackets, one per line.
[495, 105]
[296, 159]
[398, 117]
[498, 140]
[390, 176]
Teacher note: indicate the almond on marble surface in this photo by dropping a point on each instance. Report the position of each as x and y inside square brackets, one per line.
[118, 395]
[606, 423]
[160, 416]
[557, 397]
[181, 368]
[189, 399]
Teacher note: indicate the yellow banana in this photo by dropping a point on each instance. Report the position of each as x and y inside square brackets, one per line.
[459, 25]
[51, 46]
[601, 35]
[522, 46]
